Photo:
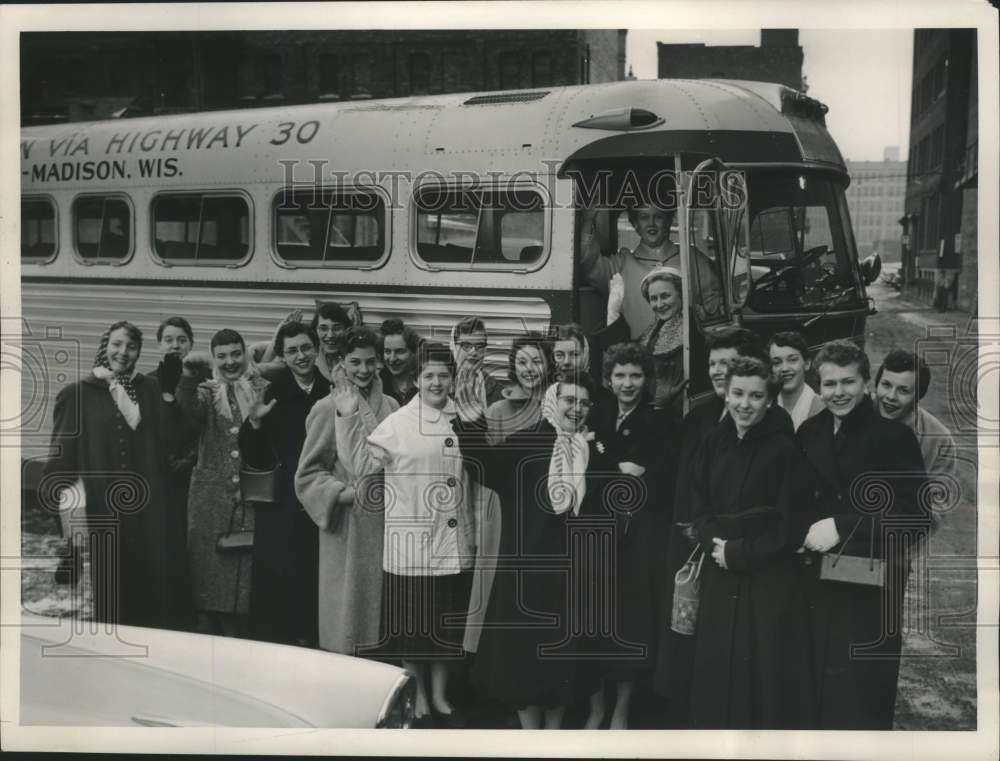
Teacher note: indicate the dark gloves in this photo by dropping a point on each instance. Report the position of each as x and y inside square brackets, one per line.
[169, 373]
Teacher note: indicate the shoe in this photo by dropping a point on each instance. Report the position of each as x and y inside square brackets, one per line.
[424, 722]
[454, 720]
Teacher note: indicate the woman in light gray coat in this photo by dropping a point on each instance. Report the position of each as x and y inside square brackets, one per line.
[217, 408]
[350, 521]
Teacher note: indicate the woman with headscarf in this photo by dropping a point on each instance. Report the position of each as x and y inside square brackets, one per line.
[107, 432]
[220, 524]
[526, 655]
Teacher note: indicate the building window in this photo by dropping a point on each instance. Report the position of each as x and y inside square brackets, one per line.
[541, 70]
[454, 72]
[201, 228]
[362, 75]
[269, 71]
[937, 147]
[510, 74]
[420, 73]
[322, 227]
[329, 75]
[480, 229]
[940, 81]
[924, 155]
[102, 228]
[932, 206]
[38, 230]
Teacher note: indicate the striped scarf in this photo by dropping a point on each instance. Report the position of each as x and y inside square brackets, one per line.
[567, 483]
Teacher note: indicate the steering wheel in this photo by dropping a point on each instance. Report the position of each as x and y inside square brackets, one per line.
[810, 256]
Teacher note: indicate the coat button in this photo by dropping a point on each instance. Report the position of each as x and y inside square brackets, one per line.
[452, 523]
[449, 442]
[816, 494]
[234, 429]
[451, 481]
[235, 454]
[236, 479]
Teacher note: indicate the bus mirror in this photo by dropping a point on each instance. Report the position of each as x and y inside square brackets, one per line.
[870, 268]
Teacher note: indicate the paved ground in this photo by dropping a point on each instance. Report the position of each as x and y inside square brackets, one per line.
[938, 674]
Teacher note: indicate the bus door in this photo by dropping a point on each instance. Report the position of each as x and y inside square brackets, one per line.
[715, 241]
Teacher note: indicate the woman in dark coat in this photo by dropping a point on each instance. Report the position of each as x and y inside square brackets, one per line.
[284, 593]
[526, 656]
[636, 458]
[749, 495]
[107, 432]
[867, 474]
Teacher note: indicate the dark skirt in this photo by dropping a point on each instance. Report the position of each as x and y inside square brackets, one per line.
[424, 616]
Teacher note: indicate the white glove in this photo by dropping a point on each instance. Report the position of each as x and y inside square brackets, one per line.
[616, 297]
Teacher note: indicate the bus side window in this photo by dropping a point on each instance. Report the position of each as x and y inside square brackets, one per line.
[472, 229]
[102, 228]
[201, 228]
[38, 230]
[324, 227]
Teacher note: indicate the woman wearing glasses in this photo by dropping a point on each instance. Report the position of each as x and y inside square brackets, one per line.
[526, 656]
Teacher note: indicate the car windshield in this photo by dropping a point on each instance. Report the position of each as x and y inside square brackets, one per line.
[801, 252]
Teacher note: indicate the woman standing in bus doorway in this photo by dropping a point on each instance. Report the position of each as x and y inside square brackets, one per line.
[106, 432]
[749, 504]
[541, 476]
[663, 338]
[429, 528]
[652, 224]
[284, 593]
[347, 513]
[219, 522]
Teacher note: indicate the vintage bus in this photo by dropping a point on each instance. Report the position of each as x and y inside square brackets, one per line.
[427, 209]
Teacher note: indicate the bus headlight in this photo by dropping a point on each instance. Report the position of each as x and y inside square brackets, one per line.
[397, 713]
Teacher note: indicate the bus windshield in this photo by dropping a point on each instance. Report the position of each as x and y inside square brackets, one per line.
[801, 252]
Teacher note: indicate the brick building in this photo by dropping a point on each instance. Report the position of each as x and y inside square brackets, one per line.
[939, 224]
[777, 59]
[71, 76]
[875, 200]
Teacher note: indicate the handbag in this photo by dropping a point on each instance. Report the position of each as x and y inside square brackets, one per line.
[687, 586]
[259, 486]
[240, 540]
[852, 569]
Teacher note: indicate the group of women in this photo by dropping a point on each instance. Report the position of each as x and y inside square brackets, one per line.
[424, 512]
